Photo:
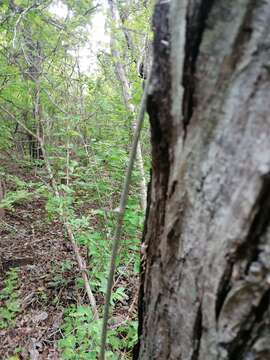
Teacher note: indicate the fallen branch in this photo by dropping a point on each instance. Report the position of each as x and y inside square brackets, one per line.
[80, 261]
[83, 269]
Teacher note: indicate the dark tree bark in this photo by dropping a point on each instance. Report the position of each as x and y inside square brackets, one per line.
[205, 283]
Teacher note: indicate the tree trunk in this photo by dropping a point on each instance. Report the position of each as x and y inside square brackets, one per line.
[205, 282]
[126, 89]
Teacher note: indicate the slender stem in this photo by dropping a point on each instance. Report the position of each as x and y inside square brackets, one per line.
[121, 213]
[127, 96]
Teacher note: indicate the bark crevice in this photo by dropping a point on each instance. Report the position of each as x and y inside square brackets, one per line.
[246, 338]
[197, 334]
[196, 23]
[224, 288]
[246, 286]
[250, 249]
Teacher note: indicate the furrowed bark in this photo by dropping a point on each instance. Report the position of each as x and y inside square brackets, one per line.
[205, 283]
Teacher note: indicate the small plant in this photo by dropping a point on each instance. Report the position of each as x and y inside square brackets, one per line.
[81, 336]
[9, 298]
[15, 197]
[22, 192]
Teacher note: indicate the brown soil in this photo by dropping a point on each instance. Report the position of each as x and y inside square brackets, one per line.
[37, 247]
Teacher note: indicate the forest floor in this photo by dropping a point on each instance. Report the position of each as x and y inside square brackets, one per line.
[37, 248]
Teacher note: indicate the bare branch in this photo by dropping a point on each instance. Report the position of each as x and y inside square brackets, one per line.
[22, 14]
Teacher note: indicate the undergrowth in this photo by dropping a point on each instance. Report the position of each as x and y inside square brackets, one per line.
[81, 336]
[9, 300]
[90, 209]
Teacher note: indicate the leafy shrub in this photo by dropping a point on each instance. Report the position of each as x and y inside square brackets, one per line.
[81, 336]
[9, 298]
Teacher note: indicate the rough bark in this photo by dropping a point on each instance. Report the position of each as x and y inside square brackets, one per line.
[205, 284]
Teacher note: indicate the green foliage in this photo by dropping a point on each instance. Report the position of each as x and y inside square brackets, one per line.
[5, 136]
[9, 299]
[15, 197]
[87, 133]
[22, 192]
[82, 336]
[56, 205]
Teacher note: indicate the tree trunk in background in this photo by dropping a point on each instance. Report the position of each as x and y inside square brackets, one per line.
[33, 57]
[126, 89]
[35, 71]
[205, 280]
